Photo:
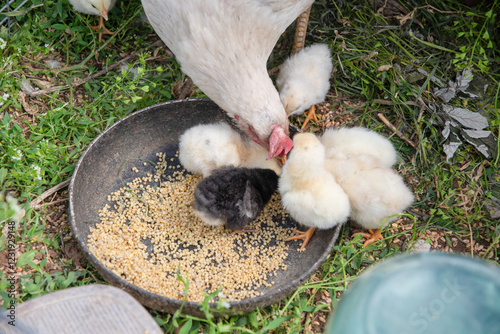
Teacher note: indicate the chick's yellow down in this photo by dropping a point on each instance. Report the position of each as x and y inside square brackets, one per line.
[304, 79]
[308, 191]
[354, 141]
[361, 162]
[206, 147]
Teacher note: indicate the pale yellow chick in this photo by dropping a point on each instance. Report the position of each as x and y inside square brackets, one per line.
[308, 191]
[206, 147]
[95, 7]
[361, 163]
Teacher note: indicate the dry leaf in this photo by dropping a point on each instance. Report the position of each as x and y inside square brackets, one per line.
[384, 68]
[403, 18]
[467, 118]
[43, 83]
[29, 109]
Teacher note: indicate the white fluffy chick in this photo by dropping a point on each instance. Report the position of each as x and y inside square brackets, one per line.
[206, 147]
[348, 142]
[375, 190]
[95, 7]
[304, 79]
[309, 192]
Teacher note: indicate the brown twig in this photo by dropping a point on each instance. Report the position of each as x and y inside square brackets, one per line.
[274, 70]
[35, 204]
[37, 207]
[395, 130]
[471, 240]
[91, 77]
[49, 192]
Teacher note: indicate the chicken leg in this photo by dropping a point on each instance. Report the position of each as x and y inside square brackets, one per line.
[104, 29]
[311, 114]
[299, 40]
[370, 237]
[306, 236]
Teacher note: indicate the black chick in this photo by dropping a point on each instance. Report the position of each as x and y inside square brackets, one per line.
[234, 196]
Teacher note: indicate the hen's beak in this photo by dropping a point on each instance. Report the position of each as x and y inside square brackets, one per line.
[279, 142]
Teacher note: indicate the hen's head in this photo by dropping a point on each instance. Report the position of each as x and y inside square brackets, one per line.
[268, 129]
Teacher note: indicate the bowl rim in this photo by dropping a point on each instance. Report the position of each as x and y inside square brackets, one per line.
[235, 307]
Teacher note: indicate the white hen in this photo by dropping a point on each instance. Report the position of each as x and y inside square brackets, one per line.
[223, 45]
[308, 191]
[361, 162]
[95, 7]
[304, 79]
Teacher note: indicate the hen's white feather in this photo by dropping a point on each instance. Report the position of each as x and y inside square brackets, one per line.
[308, 191]
[304, 78]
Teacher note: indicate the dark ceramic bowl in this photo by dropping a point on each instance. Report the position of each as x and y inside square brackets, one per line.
[140, 136]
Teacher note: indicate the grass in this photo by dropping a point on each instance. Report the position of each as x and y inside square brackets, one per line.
[384, 63]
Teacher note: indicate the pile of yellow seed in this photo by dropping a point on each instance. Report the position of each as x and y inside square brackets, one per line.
[157, 210]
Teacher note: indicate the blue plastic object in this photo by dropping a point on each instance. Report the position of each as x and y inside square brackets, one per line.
[422, 293]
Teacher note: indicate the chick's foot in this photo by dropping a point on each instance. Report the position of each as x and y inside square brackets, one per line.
[311, 114]
[104, 29]
[306, 236]
[370, 237]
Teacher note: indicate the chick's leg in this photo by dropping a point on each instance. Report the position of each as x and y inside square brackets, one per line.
[299, 40]
[306, 236]
[370, 237]
[104, 29]
[311, 114]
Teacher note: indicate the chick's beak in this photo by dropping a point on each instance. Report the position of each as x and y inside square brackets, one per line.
[104, 13]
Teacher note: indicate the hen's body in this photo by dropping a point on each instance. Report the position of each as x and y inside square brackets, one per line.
[223, 45]
[93, 7]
